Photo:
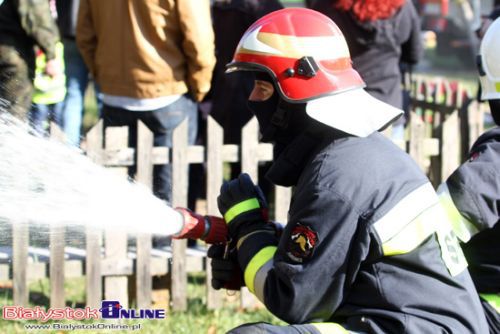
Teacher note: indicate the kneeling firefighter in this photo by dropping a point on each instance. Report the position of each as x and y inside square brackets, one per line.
[367, 247]
[471, 195]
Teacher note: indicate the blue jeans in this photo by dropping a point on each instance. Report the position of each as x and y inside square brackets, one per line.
[162, 123]
[42, 114]
[77, 79]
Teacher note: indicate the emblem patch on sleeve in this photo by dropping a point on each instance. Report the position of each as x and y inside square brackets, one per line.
[302, 242]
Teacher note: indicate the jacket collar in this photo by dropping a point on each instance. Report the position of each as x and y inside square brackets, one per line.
[288, 166]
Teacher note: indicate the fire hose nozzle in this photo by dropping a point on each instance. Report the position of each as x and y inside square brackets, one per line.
[211, 229]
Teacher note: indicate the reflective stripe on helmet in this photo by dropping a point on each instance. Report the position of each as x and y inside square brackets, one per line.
[254, 276]
[241, 207]
[463, 228]
[493, 300]
[415, 218]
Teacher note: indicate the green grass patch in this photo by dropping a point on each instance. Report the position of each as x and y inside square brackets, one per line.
[197, 318]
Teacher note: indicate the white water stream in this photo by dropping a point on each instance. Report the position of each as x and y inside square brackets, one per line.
[43, 181]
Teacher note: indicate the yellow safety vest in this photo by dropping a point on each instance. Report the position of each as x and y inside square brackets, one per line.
[49, 90]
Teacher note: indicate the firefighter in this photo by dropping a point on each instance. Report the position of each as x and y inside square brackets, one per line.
[471, 195]
[367, 247]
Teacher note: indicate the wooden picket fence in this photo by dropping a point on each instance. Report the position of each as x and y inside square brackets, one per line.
[444, 121]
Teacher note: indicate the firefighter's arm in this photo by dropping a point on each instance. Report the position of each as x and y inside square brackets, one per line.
[38, 23]
[471, 195]
[244, 209]
[306, 277]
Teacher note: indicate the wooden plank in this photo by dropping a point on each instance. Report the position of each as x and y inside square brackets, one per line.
[37, 270]
[57, 246]
[196, 154]
[451, 145]
[93, 236]
[144, 282]
[57, 133]
[118, 157]
[4, 272]
[116, 287]
[94, 140]
[57, 266]
[215, 142]
[20, 243]
[417, 133]
[282, 203]
[179, 198]
[250, 149]
[161, 155]
[74, 268]
[250, 165]
[231, 153]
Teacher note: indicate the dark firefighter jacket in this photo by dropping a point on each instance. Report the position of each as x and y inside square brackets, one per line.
[367, 244]
[471, 196]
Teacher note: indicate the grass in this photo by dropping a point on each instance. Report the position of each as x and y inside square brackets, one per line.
[197, 319]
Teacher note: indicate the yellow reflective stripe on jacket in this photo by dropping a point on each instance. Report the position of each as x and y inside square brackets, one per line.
[258, 261]
[329, 328]
[497, 86]
[493, 300]
[463, 228]
[241, 207]
[410, 207]
[414, 233]
[415, 218]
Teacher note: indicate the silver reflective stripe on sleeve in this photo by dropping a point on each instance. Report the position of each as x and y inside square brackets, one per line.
[409, 208]
[260, 279]
[410, 222]
[463, 228]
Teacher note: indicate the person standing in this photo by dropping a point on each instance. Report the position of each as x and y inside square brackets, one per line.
[229, 93]
[471, 195]
[153, 61]
[77, 74]
[24, 24]
[49, 94]
[381, 35]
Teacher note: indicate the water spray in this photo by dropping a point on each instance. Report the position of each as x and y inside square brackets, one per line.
[44, 181]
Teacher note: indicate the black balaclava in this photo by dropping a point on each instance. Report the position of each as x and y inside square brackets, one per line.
[495, 110]
[279, 121]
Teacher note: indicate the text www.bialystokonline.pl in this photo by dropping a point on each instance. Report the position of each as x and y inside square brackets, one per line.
[95, 326]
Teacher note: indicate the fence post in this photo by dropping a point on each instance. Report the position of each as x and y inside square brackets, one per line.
[144, 283]
[215, 164]
[417, 135]
[249, 165]
[56, 272]
[282, 196]
[450, 146]
[20, 242]
[179, 198]
[116, 287]
[94, 236]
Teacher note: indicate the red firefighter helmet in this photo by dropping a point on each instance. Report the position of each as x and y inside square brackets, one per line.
[308, 58]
